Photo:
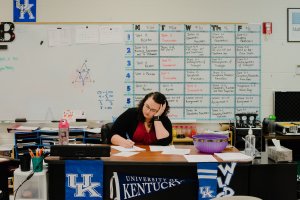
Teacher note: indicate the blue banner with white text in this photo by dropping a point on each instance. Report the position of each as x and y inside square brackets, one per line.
[207, 176]
[84, 179]
[214, 180]
[129, 186]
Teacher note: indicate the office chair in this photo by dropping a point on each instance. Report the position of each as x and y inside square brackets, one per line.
[105, 131]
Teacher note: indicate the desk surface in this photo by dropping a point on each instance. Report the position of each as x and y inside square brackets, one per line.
[148, 156]
[282, 137]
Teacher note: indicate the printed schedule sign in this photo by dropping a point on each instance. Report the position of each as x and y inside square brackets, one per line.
[207, 71]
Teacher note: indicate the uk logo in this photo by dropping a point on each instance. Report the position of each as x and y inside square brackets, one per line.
[213, 185]
[25, 11]
[206, 192]
[84, 179]
[85, 187]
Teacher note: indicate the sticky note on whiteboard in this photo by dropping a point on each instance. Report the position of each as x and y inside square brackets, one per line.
[69, 115]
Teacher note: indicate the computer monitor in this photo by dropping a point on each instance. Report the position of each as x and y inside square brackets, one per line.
[287, 106]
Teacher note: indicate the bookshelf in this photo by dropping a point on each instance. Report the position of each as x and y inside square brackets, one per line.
[42, 138]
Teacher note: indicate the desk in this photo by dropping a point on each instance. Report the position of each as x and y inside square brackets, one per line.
[282, 137]
[4, 178]
[7, 166]
[263, 179]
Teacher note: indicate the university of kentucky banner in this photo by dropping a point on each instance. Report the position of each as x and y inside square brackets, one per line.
[24, 10]
[214, 179]
[84, 179]
[207, 176]
[125, 186]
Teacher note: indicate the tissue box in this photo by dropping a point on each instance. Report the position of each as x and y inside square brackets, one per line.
[282, 155]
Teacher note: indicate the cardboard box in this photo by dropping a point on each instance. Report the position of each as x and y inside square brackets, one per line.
[282, 155]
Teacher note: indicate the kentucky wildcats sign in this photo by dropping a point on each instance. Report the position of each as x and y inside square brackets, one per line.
[125, 186]
[213, 184]
[84, 179]
[24, 10]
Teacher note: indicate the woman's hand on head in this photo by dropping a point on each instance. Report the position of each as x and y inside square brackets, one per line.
[161, 109]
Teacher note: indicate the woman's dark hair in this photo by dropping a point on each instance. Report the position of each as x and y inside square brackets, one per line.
[158, 98]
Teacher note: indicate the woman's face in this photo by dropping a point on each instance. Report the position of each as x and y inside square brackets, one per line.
[150, 108]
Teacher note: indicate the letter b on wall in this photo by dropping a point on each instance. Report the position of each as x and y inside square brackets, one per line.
[7, 32]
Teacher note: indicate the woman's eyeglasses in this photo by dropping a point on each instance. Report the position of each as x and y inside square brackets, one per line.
[151, 109]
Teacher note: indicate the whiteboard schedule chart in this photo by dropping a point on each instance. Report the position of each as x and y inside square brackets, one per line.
[207, 71]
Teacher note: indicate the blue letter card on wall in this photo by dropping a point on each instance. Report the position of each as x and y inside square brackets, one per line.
[24, 10]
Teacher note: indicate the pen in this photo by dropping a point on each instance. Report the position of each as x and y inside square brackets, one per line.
[31, 153]
[128, 138]
[41, 152]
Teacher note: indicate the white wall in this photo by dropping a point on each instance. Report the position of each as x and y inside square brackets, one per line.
[279, 58]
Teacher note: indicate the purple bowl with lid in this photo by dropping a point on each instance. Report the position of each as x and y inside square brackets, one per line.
[210, 142]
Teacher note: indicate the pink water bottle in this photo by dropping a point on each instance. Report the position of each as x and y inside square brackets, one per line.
[63, 132]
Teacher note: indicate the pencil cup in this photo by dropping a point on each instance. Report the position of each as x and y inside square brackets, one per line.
[25, 162]
[37, 164]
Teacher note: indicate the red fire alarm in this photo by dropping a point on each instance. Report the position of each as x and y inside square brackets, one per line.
[267, 28]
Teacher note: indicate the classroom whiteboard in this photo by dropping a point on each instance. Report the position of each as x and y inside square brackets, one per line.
[207, 71]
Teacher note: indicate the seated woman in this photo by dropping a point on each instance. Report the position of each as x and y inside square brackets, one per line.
[147, 124]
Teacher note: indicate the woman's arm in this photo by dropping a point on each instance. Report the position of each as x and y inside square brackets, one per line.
[120, 141]
[120, 131]
[166, 131]
[160, 131]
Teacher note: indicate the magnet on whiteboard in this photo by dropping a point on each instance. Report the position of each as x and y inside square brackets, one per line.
[3, 46]
[297, 71]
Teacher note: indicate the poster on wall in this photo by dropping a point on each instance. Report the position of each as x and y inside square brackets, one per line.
[293, 23]
[24, 10]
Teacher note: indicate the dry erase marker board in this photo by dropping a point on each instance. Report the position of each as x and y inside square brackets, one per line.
[207, 71]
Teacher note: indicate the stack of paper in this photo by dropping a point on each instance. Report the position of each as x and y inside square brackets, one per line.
[161, 148]
[127, 152]
[123, 149]
[200, 158]
[234, 156]
[176, 151]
